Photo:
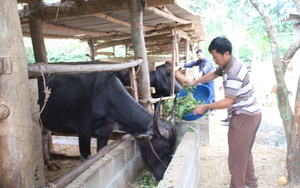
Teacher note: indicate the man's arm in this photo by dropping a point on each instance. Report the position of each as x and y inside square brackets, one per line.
[221, 104]
[190, 64]
[206, 78]
[181, 79]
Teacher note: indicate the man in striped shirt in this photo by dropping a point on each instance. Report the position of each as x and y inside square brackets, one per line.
[243, 110]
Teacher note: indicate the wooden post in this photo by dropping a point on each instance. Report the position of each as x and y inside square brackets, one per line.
[16, 140]
[92, 52]
[137, 36]
[36, 34]
[37, 153]
[175, 58]
[187, 50]
[133, 83]
[40, 55]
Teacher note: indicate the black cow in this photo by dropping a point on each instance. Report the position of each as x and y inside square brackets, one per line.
[94, 104]
[160, 79]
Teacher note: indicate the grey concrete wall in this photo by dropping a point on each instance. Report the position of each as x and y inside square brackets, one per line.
[116, 169]
[184, 169]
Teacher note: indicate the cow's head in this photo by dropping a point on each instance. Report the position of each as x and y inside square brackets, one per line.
[157, 152]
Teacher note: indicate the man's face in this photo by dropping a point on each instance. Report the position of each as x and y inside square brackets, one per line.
[219, 59]
[200, 55]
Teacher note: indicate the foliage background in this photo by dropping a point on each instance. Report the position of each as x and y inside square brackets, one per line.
[242, 25]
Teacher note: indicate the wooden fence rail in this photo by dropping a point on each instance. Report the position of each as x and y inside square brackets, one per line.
[34, 70]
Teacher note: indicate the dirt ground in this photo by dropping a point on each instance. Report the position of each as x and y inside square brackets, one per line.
[65, 154]
[269, 152]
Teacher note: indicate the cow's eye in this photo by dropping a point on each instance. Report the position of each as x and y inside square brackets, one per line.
[165, 149]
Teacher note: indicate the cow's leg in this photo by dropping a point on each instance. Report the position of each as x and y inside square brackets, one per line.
[102, 133]
[84, 145]
[102, 142]
[46, 153]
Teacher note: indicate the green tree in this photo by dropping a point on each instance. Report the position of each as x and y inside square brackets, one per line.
[59, 50]
[241, 23]
[291, 122]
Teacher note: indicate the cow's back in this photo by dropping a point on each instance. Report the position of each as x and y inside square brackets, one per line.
[69, 105]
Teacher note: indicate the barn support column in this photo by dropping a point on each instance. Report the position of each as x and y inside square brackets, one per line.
[137, 36]
[175, 58]
[187, 50]
[40, 55]
[16, 141]
[36, 34]
[91, 43]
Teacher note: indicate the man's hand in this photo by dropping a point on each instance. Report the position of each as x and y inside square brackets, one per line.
[200, 109]
[190, 82]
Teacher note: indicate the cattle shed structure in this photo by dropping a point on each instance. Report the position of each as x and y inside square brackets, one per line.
[150, 30]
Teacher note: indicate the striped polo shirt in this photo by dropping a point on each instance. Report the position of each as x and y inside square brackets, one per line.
[237, 85]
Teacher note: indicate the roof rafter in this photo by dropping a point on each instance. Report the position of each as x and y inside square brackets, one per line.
[75, 31]
[168, 16]
[117, 21]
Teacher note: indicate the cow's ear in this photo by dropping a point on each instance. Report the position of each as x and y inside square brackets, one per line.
[144, 136]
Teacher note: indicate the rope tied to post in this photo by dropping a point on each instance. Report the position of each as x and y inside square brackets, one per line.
[134, 77]
[47, 90]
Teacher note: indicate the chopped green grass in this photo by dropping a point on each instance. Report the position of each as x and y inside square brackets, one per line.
[184, 105]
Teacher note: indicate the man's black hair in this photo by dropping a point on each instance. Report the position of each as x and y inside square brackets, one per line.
[199, 51]
[221, 45]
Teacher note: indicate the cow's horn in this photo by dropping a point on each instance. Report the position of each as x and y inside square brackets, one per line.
[158, 128]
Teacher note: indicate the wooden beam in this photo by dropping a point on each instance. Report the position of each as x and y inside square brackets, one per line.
[151, 59]
[100, 45]
[166, 46]
[51, 36]
[112, 37]
[150, 33]
[156, 3]
[35, 70]
[105, 53]
[73, 30]
[168, 16]
[113, 43]
[169, 29]
[116, 59]
[117, 21]
[75, 8]
[182, 34]
[165, 9]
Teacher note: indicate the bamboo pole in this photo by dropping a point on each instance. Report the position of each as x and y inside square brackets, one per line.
[35, 70]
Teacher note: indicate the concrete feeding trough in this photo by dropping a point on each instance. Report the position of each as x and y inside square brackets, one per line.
[184, 169]
[120, 166]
